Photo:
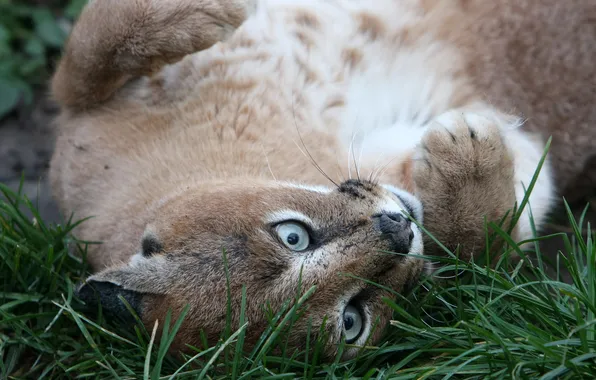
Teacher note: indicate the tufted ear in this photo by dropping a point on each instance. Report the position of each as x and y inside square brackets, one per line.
[141, 282]
[106, 293]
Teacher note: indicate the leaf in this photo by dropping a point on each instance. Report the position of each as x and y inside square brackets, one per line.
[4, 34]
[35, 47]
[47, 28]
[5, 50]
[7, 68]
[10, 93]
[31, 67]
[20, 10]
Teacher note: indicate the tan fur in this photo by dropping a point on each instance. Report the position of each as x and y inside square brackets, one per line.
[477, 170]
[195, 153]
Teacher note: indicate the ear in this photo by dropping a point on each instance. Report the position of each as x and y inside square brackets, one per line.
[107, 294]
[141, 282]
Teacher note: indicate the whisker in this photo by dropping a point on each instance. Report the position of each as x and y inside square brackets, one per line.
[349, 157]
[376, 173]
[384, 168]
[374, 168]
[268, 163]
[339, 171]
[360, 156]
[449, 277]
[308, 155]
[306, 149]
[354, 157]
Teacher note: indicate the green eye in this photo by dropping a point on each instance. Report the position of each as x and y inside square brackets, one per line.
[293, 235]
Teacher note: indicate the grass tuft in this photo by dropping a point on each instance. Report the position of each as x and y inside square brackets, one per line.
[509, 321]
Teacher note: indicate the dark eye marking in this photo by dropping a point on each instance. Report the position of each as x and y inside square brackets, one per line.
[409, 208]
[326, 235]
[353, 188]
[236, 246]
[270, 270]
[356, 188]
[322, 235]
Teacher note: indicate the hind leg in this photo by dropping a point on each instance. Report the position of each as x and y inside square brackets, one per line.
[115, 40]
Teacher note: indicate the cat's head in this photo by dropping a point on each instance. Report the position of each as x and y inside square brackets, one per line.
[279, 240]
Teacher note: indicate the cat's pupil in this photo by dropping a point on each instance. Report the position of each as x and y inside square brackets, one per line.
[348, 322]
[293, 238]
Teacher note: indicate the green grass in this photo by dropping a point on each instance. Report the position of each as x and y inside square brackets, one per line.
[512, 321]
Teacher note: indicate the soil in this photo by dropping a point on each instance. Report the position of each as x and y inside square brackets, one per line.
[26, 145]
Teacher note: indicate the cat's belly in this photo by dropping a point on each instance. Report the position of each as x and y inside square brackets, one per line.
[379, 78]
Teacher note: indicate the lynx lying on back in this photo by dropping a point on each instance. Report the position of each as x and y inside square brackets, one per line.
[182, 147]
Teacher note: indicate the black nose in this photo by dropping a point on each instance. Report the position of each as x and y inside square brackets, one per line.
[397, 228]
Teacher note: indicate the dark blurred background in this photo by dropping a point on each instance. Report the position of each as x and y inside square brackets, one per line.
[32, 33]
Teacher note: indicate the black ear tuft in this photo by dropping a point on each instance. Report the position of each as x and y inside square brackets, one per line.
[150, 244]
[107, 294]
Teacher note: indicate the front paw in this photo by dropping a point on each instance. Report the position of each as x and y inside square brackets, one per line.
[463, 174]
[462, 149]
